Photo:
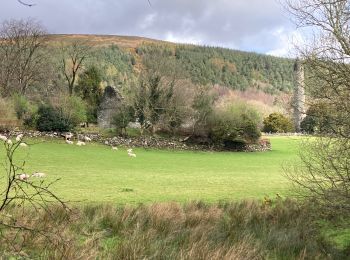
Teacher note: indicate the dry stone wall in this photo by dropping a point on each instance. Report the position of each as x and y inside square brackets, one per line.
[142, 141]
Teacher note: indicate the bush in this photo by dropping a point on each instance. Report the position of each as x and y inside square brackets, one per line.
[317, 120]
[73, 109]
[277, 123]
[122, 117]
[234, 126]
[25, 110]
[308, 124]
[62, 117]
[50, 119]
[21, 105]
[30, 118]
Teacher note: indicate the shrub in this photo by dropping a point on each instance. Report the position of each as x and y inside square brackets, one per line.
[234, 126]
[21, 105]
[30, 118]
[277, 123]
[203, 106]
[50, 119]
[25, 110]
[122, 117]
[73, 110]
[308, 124]
[317, 120]
[64, 116]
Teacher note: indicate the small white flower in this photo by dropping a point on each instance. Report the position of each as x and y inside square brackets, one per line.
[69, 142]
[9, 141]
[23, 145]
[3, 138]
[19, 137]
[129, 150]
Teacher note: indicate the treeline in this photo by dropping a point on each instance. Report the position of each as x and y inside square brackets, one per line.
[234, 69]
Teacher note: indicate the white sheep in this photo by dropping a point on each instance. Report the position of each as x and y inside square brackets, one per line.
[23, 145]
[3, 138]
[9, 141]
[69, 142]
[39, 175]
[132, 155]
[80, 143]
[87, 139]
[129, 150]
[68, 136]
[114, 148]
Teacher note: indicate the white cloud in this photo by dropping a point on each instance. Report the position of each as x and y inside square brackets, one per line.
[288, 40]
[148, 21]
[171, 37]
[253, 25]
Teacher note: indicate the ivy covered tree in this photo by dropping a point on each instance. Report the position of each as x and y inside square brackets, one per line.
[89, 89]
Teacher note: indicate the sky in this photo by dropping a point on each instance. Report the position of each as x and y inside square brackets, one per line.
[261, 26]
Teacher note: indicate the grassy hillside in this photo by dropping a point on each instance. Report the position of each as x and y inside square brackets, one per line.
[120, 57]
[127, 42]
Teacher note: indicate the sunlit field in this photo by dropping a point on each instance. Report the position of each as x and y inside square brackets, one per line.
[95, 173]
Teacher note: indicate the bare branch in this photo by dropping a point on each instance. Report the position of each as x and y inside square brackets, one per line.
[26, 4]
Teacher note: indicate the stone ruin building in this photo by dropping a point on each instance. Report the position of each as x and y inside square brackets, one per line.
[110, 101]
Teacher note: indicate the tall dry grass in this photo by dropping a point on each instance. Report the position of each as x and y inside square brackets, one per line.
[283, 229]
[8, 118]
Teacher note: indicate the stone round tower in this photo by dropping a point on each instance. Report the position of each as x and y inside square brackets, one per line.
[299, 94]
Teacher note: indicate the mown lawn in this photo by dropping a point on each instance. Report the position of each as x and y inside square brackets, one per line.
[95, 173]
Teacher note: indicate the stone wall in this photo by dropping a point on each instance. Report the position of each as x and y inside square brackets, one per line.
[143, 141]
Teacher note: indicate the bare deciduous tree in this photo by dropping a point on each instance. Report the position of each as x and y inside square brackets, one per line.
[324, 172]
[72, 62]
[21, 58]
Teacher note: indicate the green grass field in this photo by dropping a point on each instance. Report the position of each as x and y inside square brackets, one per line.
[95, 173]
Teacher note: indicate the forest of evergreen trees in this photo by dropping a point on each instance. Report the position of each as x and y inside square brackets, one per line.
[234, 69]
[203, 65]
